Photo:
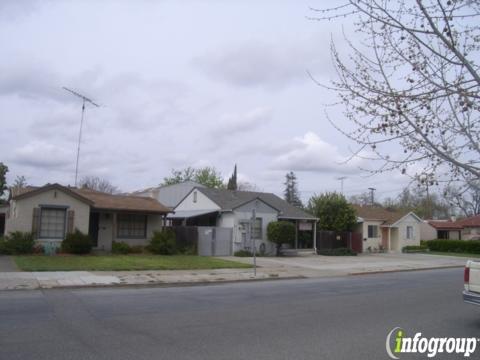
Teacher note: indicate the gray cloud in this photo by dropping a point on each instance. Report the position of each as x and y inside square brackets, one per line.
[269, 65]
[43, 155]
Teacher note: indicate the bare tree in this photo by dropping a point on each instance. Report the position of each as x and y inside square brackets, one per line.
[466, 198]
[413, 83]
[98, 184]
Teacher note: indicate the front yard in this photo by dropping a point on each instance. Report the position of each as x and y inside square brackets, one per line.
[122, 262]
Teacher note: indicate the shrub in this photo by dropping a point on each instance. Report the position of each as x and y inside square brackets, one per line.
[77, 243]
[19, 243]
[336, 252]
[456, 246]
[163, 242]
[281, 232]
[137, 249]
[414, 248]
[3, 246]
[120, 248]
[243, 253]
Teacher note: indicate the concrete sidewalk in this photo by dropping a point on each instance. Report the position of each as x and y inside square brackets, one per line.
[306, 266]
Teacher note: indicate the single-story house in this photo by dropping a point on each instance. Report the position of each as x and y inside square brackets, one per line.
[440, 229]
[233, 209]
[53, 210]
[385, 229]
[471, 227]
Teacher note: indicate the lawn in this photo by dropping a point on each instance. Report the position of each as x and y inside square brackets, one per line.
[122, 262]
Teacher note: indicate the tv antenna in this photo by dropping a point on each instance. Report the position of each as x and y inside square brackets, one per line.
[84, 100]
[341, 178]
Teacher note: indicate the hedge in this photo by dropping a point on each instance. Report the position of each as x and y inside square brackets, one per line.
[455, 246]
[336, 252]
[414, 248]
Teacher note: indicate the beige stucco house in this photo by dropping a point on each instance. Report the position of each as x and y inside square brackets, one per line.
[440, 229]
[470, 227]
[53, 210]
[382, 229]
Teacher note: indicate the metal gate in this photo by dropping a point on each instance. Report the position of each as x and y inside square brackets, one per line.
[214, 241]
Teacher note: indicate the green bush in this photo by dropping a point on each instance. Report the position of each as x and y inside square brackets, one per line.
[243, 253]
[455, 246]
[120, 248]
[336, 252]
[163, 242]
[281, 232]
[18, 243]
[77, 243]
[3, 247]
[137, 249]
[414, 248]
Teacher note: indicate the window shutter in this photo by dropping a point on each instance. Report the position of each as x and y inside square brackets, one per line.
[36, 222]
[70, 221]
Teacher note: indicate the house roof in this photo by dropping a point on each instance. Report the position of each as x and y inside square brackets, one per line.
[99, 200]
[473, 221]
[445, 225]
[186, 214]
[378, 213]
[228, 200]
[169, 195]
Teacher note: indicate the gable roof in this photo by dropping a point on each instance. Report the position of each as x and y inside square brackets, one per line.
[169, 195]
[472, 221]
[445, 225]
[377, 213]
[99, 200]
[229, 200]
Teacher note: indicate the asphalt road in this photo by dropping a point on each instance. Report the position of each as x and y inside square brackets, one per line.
[335, 318]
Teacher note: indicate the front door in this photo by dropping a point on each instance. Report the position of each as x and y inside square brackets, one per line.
[93, 227]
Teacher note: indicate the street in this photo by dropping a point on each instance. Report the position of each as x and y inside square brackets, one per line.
[329, 318]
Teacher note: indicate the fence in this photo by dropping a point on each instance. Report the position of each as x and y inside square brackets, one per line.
[204, 240]
[342, 239]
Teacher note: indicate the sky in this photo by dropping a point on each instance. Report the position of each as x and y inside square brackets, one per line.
[180, 83]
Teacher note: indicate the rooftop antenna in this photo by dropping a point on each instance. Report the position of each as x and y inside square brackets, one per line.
[372, 195]
[84, 100]
[341, 178]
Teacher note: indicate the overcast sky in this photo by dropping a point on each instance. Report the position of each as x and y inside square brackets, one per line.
[181, 83]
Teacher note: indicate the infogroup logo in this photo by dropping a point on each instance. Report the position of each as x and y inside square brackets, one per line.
[398, 343]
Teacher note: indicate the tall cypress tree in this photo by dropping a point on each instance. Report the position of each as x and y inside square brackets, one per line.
[232, 182]
[291, 193]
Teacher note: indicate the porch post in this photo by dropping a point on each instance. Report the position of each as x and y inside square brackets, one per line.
[164, 221]
[114, 226]
[389, 235]
[296, 234]
[315, 236]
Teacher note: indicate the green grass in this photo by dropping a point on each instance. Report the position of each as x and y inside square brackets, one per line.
[122, 262]
[444, 253]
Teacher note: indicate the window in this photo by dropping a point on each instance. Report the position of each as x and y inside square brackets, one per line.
[131, 226]
[372, 231]
[52, 223]
[409, 232]
[257, 229]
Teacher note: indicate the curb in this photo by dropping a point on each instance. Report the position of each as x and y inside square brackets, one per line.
[405, 270]
[157, 284]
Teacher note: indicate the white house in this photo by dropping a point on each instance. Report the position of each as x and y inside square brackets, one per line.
[233, 209]
[52, 211]
[387, 230]
[169, 195]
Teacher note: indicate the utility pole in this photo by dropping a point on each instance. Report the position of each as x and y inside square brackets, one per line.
[372, 195]
[341, 178]
[84, 99]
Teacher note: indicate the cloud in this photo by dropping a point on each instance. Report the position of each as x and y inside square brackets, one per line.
[231, 124]
[43, 155]
[262, 64]
[311, 153]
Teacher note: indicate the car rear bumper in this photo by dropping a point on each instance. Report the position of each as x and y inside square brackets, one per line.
[471, 297]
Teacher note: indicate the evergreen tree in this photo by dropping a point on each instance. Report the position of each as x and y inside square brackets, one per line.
[232, 182]
[291, 193]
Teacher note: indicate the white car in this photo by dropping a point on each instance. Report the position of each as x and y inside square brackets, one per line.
[471, 279]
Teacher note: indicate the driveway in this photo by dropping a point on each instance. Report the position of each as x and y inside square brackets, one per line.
[318, 266]
[7, 264]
